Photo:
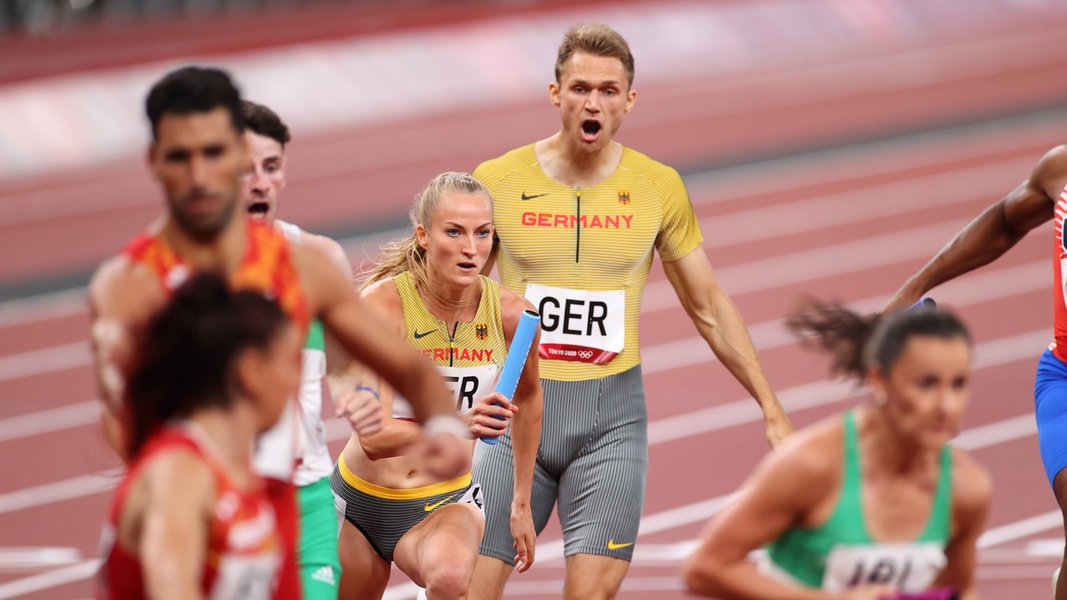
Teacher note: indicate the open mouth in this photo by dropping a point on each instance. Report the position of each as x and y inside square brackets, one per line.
[258, 210]
[590, 127]
[467, 265]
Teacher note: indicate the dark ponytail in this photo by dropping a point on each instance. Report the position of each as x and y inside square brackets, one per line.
[856, 342]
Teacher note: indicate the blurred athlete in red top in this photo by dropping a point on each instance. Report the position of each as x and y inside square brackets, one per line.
[198, 155]
[191, 518]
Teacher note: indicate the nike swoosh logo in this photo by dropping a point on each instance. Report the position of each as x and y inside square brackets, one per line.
[431, 507]
[613, 546]
[419, 336]
[525, 197]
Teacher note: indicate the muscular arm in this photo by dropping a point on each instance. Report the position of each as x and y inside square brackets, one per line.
[786, 487]
[333, 251]
[361, 333]
[721, 325]
[121, 297]
[178, 489]
[992, 233]
[525, 431]
[335, 355]
[396, 435]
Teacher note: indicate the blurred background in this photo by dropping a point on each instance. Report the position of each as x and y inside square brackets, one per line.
[830, 147]
[381, 95]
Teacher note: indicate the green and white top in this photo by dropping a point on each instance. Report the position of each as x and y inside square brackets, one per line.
[841, 554]
[300, 435]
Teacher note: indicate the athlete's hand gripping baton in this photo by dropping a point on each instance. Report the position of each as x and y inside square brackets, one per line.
[516, 360]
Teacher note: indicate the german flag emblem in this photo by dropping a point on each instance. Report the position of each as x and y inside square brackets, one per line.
[624, 197]
[481, 331]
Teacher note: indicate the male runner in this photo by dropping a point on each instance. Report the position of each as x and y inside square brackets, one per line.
[577, 216]
[316, 553]
[197, 155]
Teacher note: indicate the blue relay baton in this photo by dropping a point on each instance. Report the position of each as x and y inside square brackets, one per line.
[926, 302]
[516, 360]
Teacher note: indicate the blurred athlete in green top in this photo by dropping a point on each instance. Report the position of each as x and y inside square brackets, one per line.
[872, 503]
[300, 435]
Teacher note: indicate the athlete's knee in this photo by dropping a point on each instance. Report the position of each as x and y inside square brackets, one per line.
[591, 589]
[593, 577]
[447, 580]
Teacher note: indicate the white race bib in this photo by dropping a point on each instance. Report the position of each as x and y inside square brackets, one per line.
[277, 448]
[246, 577]
[579, 325]
[467, 384]
[911, 567]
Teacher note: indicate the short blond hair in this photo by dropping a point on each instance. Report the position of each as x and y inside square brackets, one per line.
[598, 40]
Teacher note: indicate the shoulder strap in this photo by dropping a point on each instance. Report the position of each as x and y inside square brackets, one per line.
[849, 510]
[938, 526]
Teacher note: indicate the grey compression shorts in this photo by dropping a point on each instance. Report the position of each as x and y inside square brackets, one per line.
[384, 515]
[592, 459]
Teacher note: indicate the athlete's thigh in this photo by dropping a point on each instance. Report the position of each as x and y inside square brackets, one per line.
[1050, 408]
[445, 544]
[600, 501]
[364, 574]
[602, 491]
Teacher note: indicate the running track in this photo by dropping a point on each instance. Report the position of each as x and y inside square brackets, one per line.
[844, 223]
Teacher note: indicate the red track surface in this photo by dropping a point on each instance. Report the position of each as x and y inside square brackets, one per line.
[848, 224]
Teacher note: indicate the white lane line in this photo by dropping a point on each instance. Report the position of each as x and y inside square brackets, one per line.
[707, 187]
[54, 305]
[750, 277]
[698, 512]
[1045, 547]
[980, 287]
[983, 286]
[736, 412]
[12, 557]
[740, 411]
[1019, 529]
[888, 199]
[51, 579]
[59, 491]
[45, 360]
[998, 432]
[50, 420]
[785, 175]
[817, 263]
